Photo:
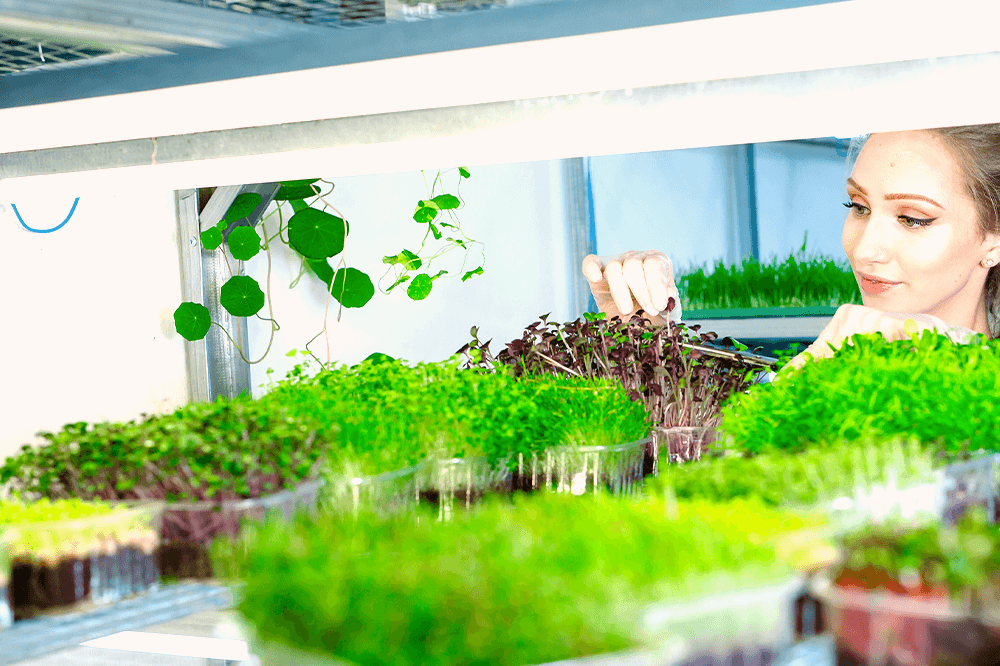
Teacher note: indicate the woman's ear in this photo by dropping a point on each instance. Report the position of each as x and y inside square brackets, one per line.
[992, 256]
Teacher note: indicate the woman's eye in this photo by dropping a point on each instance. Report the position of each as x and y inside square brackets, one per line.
[914, 222]
[858, 209]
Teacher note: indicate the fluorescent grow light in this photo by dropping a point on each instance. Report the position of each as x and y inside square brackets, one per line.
[170, 644]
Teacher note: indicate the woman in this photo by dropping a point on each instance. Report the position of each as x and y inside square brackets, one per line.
[922, 236]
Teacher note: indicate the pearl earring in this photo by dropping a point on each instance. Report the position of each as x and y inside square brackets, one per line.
[990, 263]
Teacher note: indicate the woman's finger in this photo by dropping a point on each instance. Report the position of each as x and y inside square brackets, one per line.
[619, 287]
[659, 281]
[635, 276]
[593, 268]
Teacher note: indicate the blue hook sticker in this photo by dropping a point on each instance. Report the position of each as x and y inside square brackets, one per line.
[46, 231]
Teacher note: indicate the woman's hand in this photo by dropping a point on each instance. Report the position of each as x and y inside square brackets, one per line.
[851, 319]
[625, 282]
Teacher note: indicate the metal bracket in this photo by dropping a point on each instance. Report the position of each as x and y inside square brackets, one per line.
[228, 374]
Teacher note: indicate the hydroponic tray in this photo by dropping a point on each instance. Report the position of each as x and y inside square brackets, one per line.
[47, 634]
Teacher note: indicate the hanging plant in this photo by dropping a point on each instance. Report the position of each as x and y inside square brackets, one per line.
[317, 232]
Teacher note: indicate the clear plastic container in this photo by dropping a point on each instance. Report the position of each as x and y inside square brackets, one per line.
[586, 469]
[888, 629]
[98, 559]
[969, 484]
[747, 626]
[681, 444]
[454, 483]
[386, 494]
[189, 528]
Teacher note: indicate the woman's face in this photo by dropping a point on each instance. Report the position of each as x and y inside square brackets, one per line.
[912, 233]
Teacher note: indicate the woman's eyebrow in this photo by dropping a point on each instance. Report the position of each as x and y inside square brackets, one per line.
[853, 183]
[891, 197]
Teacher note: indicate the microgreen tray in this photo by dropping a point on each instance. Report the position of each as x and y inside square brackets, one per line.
[386, 493]
[756, 622]
[880, 627]
[188, 528]
[96, 559]
[585, 469]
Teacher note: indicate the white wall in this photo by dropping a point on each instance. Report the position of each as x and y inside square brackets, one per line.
[515, 210]
[88, 328]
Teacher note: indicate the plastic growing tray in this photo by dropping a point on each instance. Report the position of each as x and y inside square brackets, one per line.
[454, 483]
[58, 564]
[190, 527]
[970, 484]
[385, 494]
[748, 626]
[585, 469]
[681, 444]
[888, 629]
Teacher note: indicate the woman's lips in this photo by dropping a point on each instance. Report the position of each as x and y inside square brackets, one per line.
[874, 285]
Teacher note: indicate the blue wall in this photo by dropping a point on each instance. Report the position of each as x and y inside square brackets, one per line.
[679, 202]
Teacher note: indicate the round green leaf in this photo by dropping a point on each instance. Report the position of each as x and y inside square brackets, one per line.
[316, 234]
[242, 206]
[378, 358]
[463, 172]
[241, 296]
[192, 320]
[420, 288]
[297, 189]
[446, 201]
[352, 288]
[211, 238]
[425, 214]
[244, 243]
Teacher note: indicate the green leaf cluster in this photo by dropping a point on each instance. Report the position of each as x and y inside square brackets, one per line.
[817, 475]
[926, 388]
[797, 281]
[228, 449]
[568, 576]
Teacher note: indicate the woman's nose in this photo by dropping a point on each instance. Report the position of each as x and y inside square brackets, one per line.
[873, 240]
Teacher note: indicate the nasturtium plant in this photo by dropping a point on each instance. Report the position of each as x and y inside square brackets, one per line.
[446, 201]
[242, 206]
[316, 234]
[297, 189]
[241, 296]
[316, 231]
[322, 269]
[407, 259]
[420, 287]
[211, 238]
[424, 213]
[192, 320]
[244, 243]
[352, 288]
